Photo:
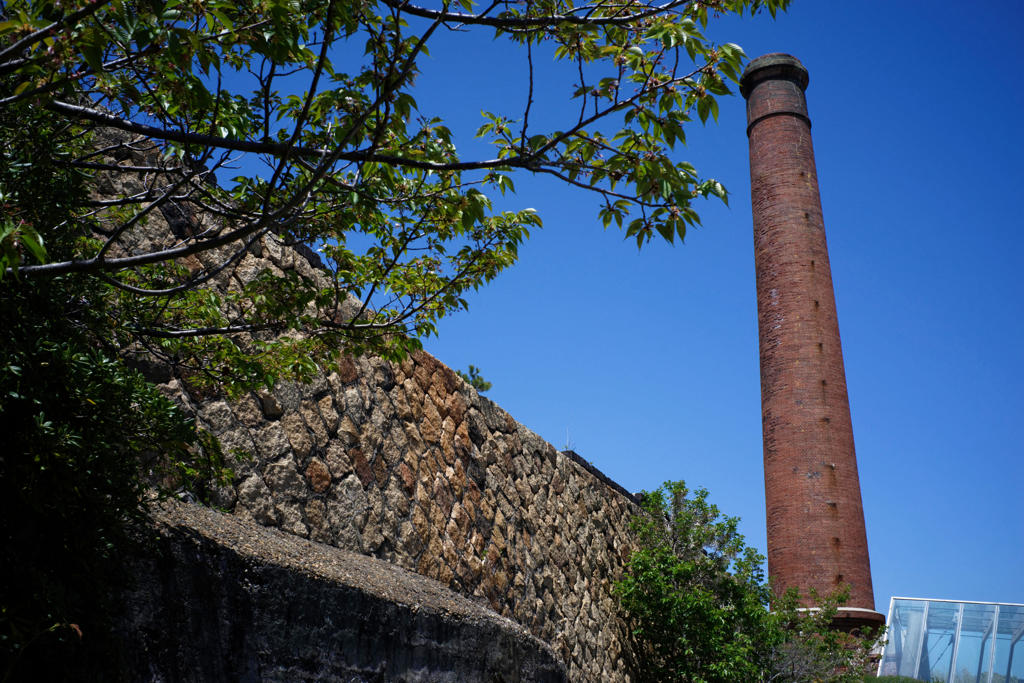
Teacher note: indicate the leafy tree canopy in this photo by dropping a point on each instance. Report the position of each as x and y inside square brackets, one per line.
[312, 105]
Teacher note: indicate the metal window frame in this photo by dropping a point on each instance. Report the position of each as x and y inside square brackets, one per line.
[991, 630]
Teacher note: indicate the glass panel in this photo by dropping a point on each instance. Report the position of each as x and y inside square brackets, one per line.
[1002, 657]
[939, 641]
[1017, 666]
[1010, 645]
[904, 634]
[893, 646]
[972, 651]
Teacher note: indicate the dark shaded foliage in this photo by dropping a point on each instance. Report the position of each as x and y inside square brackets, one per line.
[82, 434]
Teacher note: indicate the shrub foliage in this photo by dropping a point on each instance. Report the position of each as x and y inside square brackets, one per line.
[696, 603]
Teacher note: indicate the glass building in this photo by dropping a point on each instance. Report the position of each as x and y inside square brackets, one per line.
[954, 642]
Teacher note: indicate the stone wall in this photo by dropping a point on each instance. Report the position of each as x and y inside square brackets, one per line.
[407, 463]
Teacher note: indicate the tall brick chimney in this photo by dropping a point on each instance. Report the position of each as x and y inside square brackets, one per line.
[816, 536]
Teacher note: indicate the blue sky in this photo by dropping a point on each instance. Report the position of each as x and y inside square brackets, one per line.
[646, 363]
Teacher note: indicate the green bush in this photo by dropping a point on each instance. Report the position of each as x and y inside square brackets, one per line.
[693, 591]
[696, 603]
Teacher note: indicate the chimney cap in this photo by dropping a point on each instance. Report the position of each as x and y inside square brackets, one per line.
[775, 65]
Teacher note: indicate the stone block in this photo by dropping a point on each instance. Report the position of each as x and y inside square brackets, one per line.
[283, 478]
[248, 411]
[271, 441]
[255, 497]
[354, 409]
[347, 372]
[329, 414]
[430, 427]
[298, 434]
[337, 461]
[270, 406]
[362, 467]
[319, 475]
[348, 432]
[317, 428]
[291, 518]
[218, 416]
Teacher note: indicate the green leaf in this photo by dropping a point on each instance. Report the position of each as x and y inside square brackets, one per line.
[34, 242]
[223, 18]
[92, 52]
[704, 107]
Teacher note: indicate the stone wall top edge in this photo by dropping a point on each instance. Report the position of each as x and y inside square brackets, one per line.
[527, 434]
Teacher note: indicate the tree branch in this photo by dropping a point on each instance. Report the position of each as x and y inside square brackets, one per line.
[521, 22]
[277, 149]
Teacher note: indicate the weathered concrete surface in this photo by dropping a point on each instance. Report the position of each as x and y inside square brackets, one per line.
[219, 598]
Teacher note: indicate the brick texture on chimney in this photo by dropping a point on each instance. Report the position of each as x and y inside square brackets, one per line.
[816, 534]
